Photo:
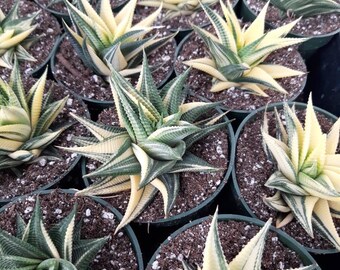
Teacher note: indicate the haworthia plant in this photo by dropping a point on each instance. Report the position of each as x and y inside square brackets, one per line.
[250, 257]
[14, 36]
[307, 176]
[237, 53]
[105, 40]
[35, 247]
[306, 8]
[25, 119]
[177, 7]
[151, 146]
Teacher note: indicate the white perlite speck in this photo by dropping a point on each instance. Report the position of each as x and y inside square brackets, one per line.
[88, 212]
[28, 209]
[107, 215]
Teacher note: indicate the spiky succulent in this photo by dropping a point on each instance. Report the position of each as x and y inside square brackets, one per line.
[306, 8]
[177, 7]
[25, 118]
[150, 148]
[105, 40]
[14, 32]
[237, 53]
[59, 248]
[307, 179]
[248, 258]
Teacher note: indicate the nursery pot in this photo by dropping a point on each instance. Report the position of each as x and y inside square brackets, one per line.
[127, 229]
[240, 202]
[237, 114]
[94, 103]
[61, 176]
[307, 48]
[195, 212]
[325, 84]
[289, 242]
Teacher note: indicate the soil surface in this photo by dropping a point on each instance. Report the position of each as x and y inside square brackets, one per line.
[213, 149]
[98, 221]
[309, 26]
[36, 175]
[84, 82]
[61, 7]
[182, 22]
[189, 246]
[235, 98]
[253, 170]
[48, 30]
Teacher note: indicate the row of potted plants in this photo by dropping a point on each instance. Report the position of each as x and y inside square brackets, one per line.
[159, 145]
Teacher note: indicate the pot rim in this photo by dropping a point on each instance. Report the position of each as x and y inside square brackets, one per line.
[234, 178]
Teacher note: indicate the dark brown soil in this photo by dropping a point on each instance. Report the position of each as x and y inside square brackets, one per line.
[253, 169]
[48, 29]
[98, 221]
[84, 82]
[183, 21]
[44, 172]
[309, 26]
[60, 7]
[189, 246]
[234, 98]
[213, 149]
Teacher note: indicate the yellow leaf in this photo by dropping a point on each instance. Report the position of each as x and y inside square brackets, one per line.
[278, 71]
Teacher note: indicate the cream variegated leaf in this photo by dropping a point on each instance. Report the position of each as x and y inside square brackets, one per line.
[101, 37]
[150, 148]
[236, 54]
[35, 247]
[25, 120]
[313, 196]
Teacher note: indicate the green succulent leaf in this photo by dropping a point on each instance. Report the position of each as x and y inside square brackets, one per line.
[36, 248]
[236, 53]
[25, 121]
[105, 40]
[307, 8]
[14, 35]
[307, 171]
[149, 149]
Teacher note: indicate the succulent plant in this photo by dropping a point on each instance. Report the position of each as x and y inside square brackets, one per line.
[150, 148]
[105, 40]
[306, 8]
[25, 118]
[307, 175]
[36, 248]
[237, 53]
[14, 32]
[248, 258]
[177, 7]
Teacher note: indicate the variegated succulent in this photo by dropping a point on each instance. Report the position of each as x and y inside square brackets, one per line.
[105, 40]
[25, 118]
[306, 8]
[307, 176]
[36, 248]
[14, 36]
[151, 146]
[177, 7]
[237, 53]
[248, 258]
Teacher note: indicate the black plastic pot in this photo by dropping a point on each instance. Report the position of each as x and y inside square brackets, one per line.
[93, 103]
[238, 115]
[199, 209]
[306, 258]
[62, 175]
[325, 80]
[308, 48]
[128, 230]
[240, 203]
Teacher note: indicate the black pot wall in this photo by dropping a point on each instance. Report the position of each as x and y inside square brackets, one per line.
[324, 81]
